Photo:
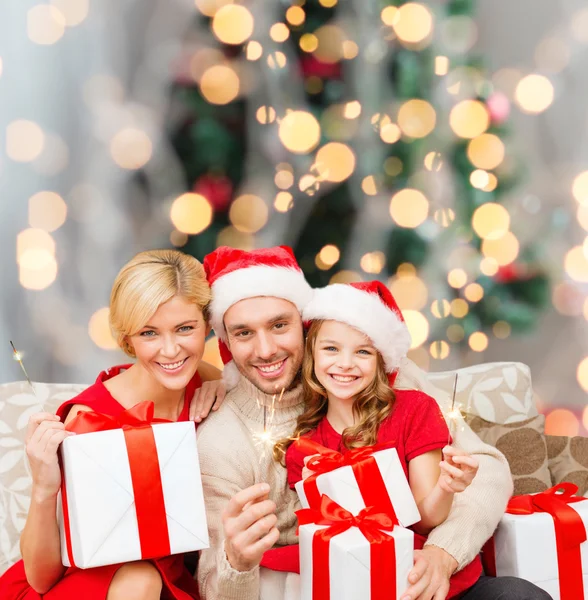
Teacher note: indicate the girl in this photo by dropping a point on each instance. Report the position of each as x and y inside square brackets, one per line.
[355, 343]
[158, 311]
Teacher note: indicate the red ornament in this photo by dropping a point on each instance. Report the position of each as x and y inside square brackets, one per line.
[312, 67]
[513, 272]
[498, 107]
[217, 189]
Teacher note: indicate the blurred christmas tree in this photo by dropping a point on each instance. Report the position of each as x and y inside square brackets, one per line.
[370, 140]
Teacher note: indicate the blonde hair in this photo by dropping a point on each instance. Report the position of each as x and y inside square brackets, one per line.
[147, 281]
[371, 406]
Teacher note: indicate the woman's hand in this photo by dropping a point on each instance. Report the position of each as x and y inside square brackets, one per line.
[306, 472]
[45, 432]
[458, 469]
[208, 397]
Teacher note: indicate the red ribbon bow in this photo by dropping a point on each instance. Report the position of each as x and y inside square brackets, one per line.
[570, 532]
[372, 525]
[365, 468]
[145, 474]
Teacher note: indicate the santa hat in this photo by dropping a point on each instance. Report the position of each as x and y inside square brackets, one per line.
[370, 308]
[236, 275]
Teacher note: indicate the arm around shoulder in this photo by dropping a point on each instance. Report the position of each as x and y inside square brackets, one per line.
[476, 511]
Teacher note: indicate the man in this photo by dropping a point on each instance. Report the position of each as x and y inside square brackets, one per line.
[257, 300]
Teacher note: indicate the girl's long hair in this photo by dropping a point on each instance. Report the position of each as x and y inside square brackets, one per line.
[370, 408]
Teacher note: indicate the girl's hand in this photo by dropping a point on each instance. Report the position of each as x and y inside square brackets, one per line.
[45, 432]
[458, 469]
[208, 397]
[306, 472]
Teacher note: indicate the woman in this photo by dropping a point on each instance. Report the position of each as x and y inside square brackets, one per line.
[158, 312]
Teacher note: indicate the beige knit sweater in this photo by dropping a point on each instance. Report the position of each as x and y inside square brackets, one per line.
[232, 459]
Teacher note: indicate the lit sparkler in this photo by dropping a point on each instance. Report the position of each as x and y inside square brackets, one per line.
[268, 436]
[17, 356]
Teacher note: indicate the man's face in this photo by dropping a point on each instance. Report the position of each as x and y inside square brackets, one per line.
[266, 339]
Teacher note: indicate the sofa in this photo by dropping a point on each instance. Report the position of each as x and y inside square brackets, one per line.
[496, 400]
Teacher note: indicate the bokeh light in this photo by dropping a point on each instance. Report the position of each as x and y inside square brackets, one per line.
[35, 249]
[191, 213]
[248, 213]
[455, 333]
[409, 291]
[418, 326]
[45, 24]
[478, 341]
[279, 32]
[474, 292]
[283, 202]
[209, 7]
[345, 276]
[330, 40]
[580, 189]
[459, 308]
[24, 140]
[329, 256]
[486, 151]
[335, 162]
[491, 221]
[417, 118]
[439, 350]
[534, 94]
[369, 185]
[503, 250]
[409, 208]
[414, 23]
[253, 51]
[232, 24]
[373, 262]
[501, 330]
[131, 148]
[299, 131]
[74, 12]
[295, 15]
[576, 264]
[469, 118]
[562, 422]
[457, 278]
[99, 330]
[444, 217]
[440, 309]
[38, 278]
[220, 84]
[47, 210]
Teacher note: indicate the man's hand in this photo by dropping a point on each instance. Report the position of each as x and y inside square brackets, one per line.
[249, 524]
[209, 396]
[430, 575]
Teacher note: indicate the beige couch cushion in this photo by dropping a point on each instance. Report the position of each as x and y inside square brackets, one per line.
[17, 404]
[568, 460]
[497, 392]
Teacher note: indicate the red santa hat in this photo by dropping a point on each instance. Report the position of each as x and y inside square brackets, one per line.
[370, 308]
[236, 275]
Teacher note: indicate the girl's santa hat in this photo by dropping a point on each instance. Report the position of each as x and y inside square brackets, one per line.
[370, 308]
[236, 275]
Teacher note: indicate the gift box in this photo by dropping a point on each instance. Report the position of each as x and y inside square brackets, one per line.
[131, 489]
[343, 557]
[542, 539]
[359, 478]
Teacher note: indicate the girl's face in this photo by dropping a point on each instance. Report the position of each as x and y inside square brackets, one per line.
[170, 346]
[345, 360]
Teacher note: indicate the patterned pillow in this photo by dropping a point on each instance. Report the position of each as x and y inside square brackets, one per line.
[17, 404]
[497, 392]
[568, 460]
[523, 445]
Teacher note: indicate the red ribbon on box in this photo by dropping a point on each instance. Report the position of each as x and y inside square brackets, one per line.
[372, 525]
[570, 532]
[365, 468]
[145, 475]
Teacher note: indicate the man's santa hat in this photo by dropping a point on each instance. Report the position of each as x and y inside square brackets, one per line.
[236, 275]
[370, 308]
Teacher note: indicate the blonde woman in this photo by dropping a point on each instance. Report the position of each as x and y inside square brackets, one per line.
[158, 310]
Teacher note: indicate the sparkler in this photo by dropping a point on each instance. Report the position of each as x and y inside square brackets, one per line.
[268, 437]
[17, 356]
[454, 414]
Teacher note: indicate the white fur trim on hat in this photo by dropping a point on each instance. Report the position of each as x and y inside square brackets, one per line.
[367, 313]
[231, 375]
[252, 282]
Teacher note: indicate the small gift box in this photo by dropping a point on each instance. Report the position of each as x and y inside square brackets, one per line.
[359, 478]
[346, 557]
[542, 539]
[131, 489]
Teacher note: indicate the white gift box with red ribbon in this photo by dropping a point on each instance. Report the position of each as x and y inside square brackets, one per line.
[369, 479]
[131, 494]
